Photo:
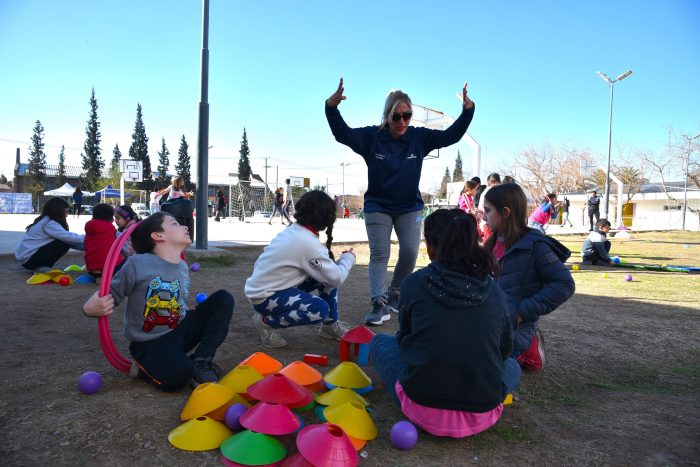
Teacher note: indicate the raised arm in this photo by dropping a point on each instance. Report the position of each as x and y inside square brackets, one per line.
[435, 139]
[355, 138]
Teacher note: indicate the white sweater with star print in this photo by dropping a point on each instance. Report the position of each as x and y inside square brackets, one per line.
[291, 258]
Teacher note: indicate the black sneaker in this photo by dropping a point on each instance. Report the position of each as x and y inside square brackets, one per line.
[204, 371]
[379, 313]
[392, 300]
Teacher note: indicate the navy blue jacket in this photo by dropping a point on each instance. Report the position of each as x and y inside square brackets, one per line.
[394, 164]
[533, 276]
[454, 334]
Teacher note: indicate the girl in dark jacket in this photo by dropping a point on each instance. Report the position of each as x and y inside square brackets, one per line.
[531, 273]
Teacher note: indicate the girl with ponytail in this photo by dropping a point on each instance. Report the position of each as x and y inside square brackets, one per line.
[295, 280]
[449, 365]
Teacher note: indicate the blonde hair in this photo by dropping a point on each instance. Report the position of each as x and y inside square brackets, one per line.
[394, 98]
[179, 183]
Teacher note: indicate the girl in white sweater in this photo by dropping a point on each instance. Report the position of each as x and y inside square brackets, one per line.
[294, 265]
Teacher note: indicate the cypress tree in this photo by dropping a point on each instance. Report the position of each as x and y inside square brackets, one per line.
[443, 185]
[92, 159]
[139, 149]
[183, 163]
[163, 165]
[37, 160]
[457, 174]
[244, 169]
[61, 175]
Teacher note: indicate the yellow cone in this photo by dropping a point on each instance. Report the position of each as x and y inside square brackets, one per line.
[199, 434]
[205, 398]
[38, 278]
[353, 419]
[240, 378]
[348, 375]
[340, 396]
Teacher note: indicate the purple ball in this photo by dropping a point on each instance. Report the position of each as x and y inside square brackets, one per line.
[90, 382]
[233, 415]
[201, 296]
[404, 435]
[195, 267]
[628, 278]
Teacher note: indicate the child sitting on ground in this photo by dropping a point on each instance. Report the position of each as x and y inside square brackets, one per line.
[449, 366]
[531, 270]
[545, 212]
[294, 265]
[125, 217]
[99, 237]
[155, 283]
[596, 247]
[47, 238]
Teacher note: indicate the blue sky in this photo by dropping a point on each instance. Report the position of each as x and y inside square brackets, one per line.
[530, 67]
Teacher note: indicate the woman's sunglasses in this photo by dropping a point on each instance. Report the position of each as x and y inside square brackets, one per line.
[406, 116]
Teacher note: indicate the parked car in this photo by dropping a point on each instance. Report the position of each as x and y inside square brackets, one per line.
[141, 210]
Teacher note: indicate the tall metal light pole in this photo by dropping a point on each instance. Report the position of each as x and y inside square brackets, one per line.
[685, 182]
[607, 173]
[344, 164]
[201, 240]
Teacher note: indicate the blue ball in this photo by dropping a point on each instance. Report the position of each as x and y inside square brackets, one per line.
[616, 259]
[201, 296]
[90, 382]
[195, 267]
[233, 415]
[404, 435]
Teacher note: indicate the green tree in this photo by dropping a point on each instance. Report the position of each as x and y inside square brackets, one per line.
[37, 160]
[443, 184]
[183, 163]
[244, 170]
[92, 159]
[61, 175]
[3, 179]
[632, 180]
[113, 174]
[457, 175]
[163, 165]
[139, 149]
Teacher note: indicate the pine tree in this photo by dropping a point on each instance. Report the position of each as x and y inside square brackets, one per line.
[183, 163]
[61, 175]
[37, 160]
[457, 175]
[443, 185]
[139, 150]
[92, 159]
[3, 179]
[244, 170]
[114, 169]
[163, 165]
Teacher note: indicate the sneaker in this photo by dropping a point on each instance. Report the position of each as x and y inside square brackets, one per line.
[333, 330]
[204, 371]
[392, 300]
[380, 313]
[533, 358]
[269, 337]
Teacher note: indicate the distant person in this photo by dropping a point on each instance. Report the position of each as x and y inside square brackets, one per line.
[288, 198]
[176, 189]
[493, 180]
[593, 209]
[596, 247]
[251, 207]
[394, 153]
[508, 179]
[293, 266]
[220, 205]
[278, 206]
[125, 217]
[48, 238]
[154, 205]
[450, 365]
[160, 329]
[346, 213]
[77, 201]
[544, 213]
[466, 203]
[479, 190]
[531, 273]
[565, 212]
[100, 234]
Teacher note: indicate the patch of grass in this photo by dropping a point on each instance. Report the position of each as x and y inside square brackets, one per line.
[511, 433]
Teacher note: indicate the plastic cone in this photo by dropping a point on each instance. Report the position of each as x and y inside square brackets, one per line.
[251, 448]
[296, 460]
[353, 418]
[230, 463]
[358, 335]
[220, 413]
[279, 389]
[270, 419]
[301, 373]
[348, 375]
[339, 396]
[38, 278]
[262, 362]
[205, 398]
[326, 445]
[85, 279]
[73, 268]
[318, 386]
[357, 443]
[360, 391]
[240, 378]
[199, 434]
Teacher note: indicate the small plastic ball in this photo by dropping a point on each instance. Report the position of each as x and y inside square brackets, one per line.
[575, 267]
[233, 415]
[64, 280]
[628, 278]
[616, 259]
[404, 435]
[90, 382]
[195, 267]
[201, 296]
[604, 275]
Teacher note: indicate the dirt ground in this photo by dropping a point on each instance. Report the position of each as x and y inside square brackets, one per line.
[621, 385]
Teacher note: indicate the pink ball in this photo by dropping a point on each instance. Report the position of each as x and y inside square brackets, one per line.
[90, 382]
[404, 435]
[628, 278]
[233, 415]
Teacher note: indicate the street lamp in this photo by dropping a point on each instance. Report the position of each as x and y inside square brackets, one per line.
[685, 182]
[607, 173]
[344, 164]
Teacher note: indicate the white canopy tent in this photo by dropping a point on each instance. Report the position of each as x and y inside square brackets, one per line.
[66, 190]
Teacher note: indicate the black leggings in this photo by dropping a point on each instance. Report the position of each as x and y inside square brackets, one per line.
[164, 361]
[47, 255]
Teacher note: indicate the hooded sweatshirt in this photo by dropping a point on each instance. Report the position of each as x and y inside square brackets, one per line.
[99, 236]
[454, 335]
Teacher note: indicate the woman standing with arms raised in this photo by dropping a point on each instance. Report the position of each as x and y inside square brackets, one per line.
[393, 152]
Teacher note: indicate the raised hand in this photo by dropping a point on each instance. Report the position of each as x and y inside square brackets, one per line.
[337, 97]
[466, 102]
